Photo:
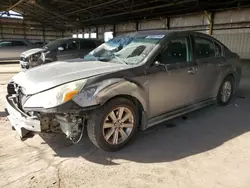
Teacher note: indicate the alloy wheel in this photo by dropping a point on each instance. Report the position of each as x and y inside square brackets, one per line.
[226, 91]
[118, 125]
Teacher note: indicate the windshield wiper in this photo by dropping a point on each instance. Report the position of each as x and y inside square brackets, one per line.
[119, 59]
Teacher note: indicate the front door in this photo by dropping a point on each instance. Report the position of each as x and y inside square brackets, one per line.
[70, 50]
[172, 86]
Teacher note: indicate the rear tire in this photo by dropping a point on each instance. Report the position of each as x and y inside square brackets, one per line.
[113, 125]
[226, 91]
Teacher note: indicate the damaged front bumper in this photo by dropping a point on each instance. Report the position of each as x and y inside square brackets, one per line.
[22, 122]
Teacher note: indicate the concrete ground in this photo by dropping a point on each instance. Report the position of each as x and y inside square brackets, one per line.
[207, 148]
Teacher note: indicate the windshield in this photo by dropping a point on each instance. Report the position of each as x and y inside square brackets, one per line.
[55, 44]
[127, 49]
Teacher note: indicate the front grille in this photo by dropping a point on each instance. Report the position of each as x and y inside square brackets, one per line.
[20, 98]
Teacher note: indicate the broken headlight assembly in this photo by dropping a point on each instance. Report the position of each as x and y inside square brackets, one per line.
[35, 57]
[55, 96]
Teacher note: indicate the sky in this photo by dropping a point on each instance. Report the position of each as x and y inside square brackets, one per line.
[16, 15]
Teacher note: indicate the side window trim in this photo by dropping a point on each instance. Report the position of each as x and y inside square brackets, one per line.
[221, 48]
[188, 50]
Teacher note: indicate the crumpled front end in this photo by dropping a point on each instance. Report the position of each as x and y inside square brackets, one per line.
[22, 121]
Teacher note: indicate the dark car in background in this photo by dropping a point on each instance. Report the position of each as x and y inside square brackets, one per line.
[11, 49]
[40, 43]
[57, 50]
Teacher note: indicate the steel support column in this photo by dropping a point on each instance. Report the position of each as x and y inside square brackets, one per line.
[210, 18]
[24, 30]
[114, 30]
[137, 26]
[97, 32]
[43, 34]
[168, 23]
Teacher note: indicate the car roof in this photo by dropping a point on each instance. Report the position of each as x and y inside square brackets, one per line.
[165, 32]
[71, 38]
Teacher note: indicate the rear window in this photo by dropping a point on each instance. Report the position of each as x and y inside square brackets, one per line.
[204, 48]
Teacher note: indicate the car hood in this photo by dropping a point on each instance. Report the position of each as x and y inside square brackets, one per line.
[50, 75]
[32, 51]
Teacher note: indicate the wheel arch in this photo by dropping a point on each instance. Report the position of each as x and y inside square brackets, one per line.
[139, 106]
[222, 78]
[131, 91]
[231, 74]
[125, 89]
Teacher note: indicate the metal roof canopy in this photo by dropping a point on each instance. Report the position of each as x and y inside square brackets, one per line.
[66, 14]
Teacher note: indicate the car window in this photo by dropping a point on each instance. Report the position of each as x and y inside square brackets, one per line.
[218, 49]
[87, 44]
[71, 45]
[52, 45]
[5, 43]
[18, 43]
[204, 48]
[177, 51]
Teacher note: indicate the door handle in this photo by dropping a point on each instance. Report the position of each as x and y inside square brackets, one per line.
[221, 64]
[192, 70]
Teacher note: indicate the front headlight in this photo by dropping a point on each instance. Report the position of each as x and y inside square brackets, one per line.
[55, 96]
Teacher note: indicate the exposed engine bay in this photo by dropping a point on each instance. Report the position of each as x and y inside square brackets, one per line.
[71, 126]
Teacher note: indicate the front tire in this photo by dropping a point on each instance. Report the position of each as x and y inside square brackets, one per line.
[113, 125]
[226, 91]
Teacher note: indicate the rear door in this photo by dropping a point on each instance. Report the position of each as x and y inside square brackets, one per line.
[207, 59]
[71, 50]
[86, 46]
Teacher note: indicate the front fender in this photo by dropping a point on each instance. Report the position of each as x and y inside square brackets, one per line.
[99, 94]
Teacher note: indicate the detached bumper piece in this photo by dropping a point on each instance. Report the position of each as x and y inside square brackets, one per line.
[24, 65]
[22, 122]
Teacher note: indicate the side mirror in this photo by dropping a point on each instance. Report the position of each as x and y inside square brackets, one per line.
[157, 63]
[60, 48]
